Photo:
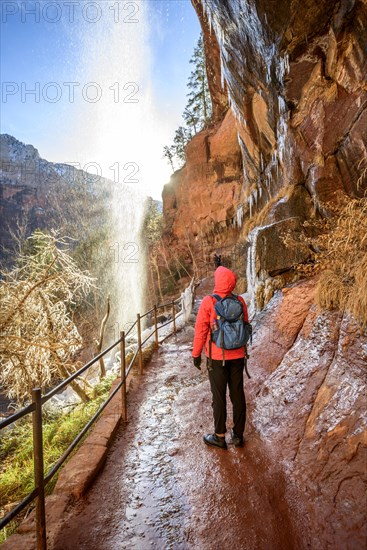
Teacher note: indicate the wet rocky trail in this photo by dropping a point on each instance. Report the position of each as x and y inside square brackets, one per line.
[162, 488]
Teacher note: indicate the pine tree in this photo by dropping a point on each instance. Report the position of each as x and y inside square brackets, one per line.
[169, 154]
[191, 119]
[181, 139]
[198, 110]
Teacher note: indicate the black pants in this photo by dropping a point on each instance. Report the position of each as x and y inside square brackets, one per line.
[220, 376]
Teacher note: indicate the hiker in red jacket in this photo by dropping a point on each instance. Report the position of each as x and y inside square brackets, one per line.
[225, 367]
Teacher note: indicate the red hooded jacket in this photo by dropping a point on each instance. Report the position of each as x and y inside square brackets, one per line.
[224, 283]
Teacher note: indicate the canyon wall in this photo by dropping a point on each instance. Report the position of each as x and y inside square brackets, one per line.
[309, 404]
[291, 141]
[295, 73]
[296, 76]
[37, 194]
[209, 187]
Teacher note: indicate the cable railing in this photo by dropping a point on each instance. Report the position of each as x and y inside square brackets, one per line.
[40, 479]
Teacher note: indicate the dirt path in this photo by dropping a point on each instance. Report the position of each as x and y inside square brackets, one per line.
[162, 488]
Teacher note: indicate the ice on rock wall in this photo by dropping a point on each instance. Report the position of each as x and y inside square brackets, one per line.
[308, 367]
[239, 215]
[251, 34]
[282, 128]
[252, 272]
[287, 383]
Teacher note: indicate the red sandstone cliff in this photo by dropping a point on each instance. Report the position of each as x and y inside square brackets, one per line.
[309, 391]
[209, 187]
[296, 79]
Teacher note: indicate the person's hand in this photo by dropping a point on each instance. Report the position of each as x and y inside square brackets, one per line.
[197, 362]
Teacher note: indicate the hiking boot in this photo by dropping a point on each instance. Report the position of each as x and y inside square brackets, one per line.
[236, 439]
[213, 440]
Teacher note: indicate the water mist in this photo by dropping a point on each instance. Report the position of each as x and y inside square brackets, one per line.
[115, 135]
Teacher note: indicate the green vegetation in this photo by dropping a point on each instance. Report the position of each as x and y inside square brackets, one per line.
[60, 428]
[198, 111]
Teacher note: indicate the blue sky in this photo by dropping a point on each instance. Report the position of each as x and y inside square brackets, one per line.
[50, 43]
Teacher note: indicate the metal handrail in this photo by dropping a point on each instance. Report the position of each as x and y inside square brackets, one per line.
[147, 313]
[36, 409]
[161, 326]
[72, 377]
[159, 307]
[16, 416]
[81, 434]
[148, 337]
[131, 328]
[19, 508]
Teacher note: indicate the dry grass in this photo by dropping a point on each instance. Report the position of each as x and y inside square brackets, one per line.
[363, 175]
[342, 261]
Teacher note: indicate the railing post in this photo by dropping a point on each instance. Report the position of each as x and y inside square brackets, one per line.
[123, 377]
[174, 316]
[156, 327]
[38, 470]
[139, 346]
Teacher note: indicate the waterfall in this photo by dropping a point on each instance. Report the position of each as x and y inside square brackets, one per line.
[114, 134]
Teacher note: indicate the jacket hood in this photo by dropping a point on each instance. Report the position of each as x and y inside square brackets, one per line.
[224, 281]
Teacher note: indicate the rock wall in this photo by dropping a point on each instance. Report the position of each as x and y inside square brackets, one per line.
[295, 73]
[209, 188]
[295, 76]
[309, 388]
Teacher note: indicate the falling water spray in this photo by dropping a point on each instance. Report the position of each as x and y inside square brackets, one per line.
[115, 132]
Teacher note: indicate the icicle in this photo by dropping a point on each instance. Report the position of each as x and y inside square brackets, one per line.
[251, 272]
[239, 215]
[222, 79]
[249, 201]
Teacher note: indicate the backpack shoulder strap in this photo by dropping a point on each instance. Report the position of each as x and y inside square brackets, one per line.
[216, 299]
